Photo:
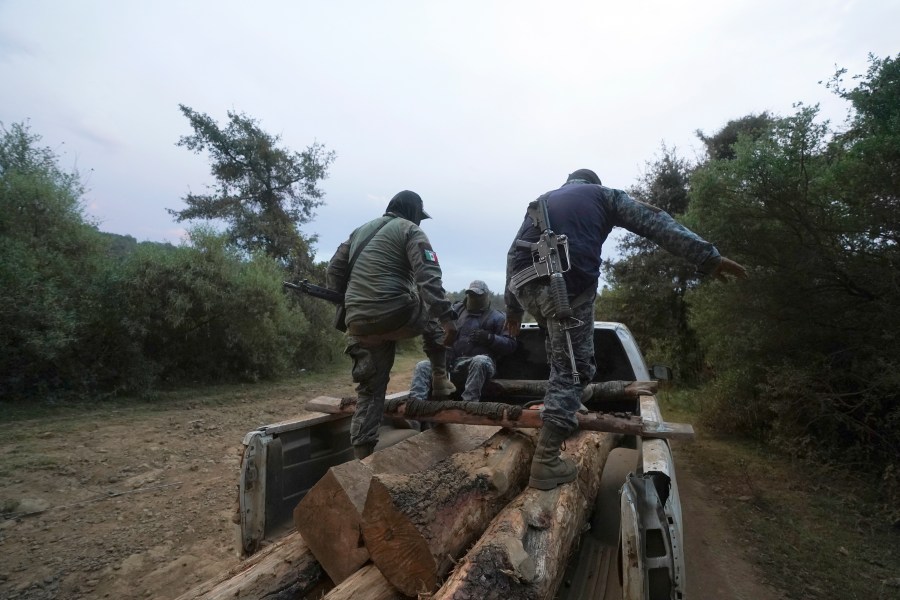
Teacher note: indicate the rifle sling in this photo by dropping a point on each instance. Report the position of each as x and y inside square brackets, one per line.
[361, 246]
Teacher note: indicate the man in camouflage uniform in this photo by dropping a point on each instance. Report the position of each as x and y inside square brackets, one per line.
[585, 211]
[392, 292]
[481, 340]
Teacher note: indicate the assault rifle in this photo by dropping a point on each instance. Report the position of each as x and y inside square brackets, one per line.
[550, 256]
[316, 291]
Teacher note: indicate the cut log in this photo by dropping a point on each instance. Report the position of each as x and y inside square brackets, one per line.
[282, 571]
[328, 516]
[605, 390]
[415, 525]
[523, 553]
[506, 415]
[366, 584]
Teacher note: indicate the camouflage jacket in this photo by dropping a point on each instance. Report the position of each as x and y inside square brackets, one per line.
[392, 271]
[586, 213]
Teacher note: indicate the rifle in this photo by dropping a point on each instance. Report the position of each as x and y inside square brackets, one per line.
[550, 256]
[316, 291]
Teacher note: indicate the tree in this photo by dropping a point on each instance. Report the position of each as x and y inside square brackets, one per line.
[647, 287]
[264, 193]
[807, 347]
[720, 146]
[51, 271]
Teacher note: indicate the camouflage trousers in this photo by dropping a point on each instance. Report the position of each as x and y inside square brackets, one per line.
[373, 357]
[563, 397]
[474, 370]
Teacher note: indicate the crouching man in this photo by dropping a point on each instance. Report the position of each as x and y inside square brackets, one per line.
[481, 340]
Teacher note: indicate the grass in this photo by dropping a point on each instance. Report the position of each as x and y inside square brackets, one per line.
[193, 396]
[408, 354]
[815, 531]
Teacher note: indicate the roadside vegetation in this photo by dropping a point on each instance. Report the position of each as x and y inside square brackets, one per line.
[812, 528]
[804, 355]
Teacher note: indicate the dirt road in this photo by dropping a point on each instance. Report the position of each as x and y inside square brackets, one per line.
[136, 503]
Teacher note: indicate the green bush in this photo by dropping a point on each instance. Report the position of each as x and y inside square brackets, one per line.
[51, 273]
[203, 313]
[85, 314]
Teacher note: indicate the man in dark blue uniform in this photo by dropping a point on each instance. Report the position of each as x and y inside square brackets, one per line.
[585, 211]
[480, 341]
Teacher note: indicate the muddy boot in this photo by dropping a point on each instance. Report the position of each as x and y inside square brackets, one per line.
[441, 386]
[363, 450]
[547, 468]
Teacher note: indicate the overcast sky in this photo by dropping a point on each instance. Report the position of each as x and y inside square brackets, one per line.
[478, 106]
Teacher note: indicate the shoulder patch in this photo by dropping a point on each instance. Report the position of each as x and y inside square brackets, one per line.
[430, 256]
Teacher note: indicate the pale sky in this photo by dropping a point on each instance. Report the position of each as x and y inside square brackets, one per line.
[478, 106]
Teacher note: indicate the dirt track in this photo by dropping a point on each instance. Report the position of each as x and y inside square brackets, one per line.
[137, 503]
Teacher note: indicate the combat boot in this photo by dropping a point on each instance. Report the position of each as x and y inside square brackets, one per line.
[547, 468]
[363, 450]
[441, 386]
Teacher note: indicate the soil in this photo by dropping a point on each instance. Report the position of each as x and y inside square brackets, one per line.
[136, 503]
[715, 555]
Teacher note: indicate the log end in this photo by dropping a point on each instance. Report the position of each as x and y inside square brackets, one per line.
[395, 546]
[328, 518]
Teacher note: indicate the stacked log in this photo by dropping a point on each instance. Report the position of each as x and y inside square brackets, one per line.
[329, 516]
[366, 584]
[523, 553]
[452, 497]
[414, 525]
[282, 571]
[288, 569]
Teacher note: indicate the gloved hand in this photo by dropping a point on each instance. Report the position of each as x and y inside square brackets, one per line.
[728, 266]
[450, 332]
[480, 337]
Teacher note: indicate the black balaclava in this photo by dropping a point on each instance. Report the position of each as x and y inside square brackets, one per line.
[478, 296]
[585, 175]
[408, 205]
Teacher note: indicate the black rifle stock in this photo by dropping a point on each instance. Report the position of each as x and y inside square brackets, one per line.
[549, 259]
[316, 291]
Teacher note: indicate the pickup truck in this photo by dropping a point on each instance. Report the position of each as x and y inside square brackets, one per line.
[632, 549]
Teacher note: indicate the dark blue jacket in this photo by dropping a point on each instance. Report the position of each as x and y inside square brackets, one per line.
[493, 321]
[586, 214]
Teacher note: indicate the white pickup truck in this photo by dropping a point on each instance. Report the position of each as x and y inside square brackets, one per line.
[633, 547]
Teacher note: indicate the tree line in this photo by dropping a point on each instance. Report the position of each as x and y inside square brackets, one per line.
[805, 353]
[85, 314]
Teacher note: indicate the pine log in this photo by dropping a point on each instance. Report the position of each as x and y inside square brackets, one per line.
[604, 390]
[415, 525]
[365, 584]
[282, 571]
[328, 516]
[506, 415]
[523, 553]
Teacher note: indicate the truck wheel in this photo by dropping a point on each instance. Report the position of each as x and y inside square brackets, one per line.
[605, 518]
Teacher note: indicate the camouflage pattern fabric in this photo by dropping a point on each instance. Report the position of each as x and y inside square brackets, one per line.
[563, 397]
[476, 370]
[586, 214]
[373, 358]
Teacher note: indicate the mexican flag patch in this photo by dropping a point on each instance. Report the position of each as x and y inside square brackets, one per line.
[430, 256]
